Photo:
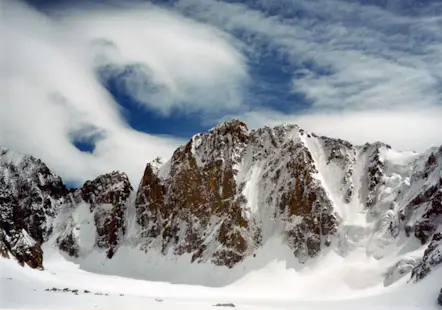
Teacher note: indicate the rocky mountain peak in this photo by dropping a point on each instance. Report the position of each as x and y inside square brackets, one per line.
[235, 127]
[30, 197]
[224, 143]
[112, 188]
[205, 191]
[177, 210]
[105, 200]
[19, 172]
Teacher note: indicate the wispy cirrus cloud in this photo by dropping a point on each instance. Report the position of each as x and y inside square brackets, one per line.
[343, 54]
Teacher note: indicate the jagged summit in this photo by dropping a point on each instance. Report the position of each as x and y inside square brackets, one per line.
[35, 206]
[30, 197]
[230, 126]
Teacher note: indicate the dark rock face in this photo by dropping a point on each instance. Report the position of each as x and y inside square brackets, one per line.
[152, 195]
[198, 198]
[200, 206]
[69, 245]
[31, 197]
[113, 189]
[425, 228]
[106, 197]
[301, 196]
[432, 258]
[429, 198]
[375, 171]
[38, 192]
[342, 154]
[427, 203]
[14, 238]
[439, 299]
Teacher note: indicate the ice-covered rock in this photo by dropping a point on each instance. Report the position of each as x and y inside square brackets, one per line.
[35, 204]
[30, 197]
[432, 258]
[96, 218]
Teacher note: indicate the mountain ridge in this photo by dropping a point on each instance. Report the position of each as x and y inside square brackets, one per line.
[226, 193]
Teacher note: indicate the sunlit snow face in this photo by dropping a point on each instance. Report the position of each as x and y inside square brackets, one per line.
[109, 80]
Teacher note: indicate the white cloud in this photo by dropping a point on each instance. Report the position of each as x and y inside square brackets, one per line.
[190, 66]
[366, 57]
[51, 95]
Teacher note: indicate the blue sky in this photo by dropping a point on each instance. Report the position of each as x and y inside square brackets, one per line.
[129, 81]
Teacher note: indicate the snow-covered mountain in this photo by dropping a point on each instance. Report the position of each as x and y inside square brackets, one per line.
[35, 205]
[30, 199]
[227, 195]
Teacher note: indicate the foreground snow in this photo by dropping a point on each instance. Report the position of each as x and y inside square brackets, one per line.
[336, 284]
